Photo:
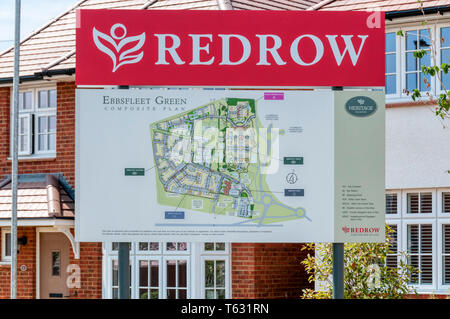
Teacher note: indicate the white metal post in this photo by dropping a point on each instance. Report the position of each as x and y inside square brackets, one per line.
[15, 162]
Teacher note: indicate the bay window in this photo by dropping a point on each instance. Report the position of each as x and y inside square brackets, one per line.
[171, 270]
[420, 221]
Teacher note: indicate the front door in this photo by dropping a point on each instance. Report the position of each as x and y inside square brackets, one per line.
[54, 259]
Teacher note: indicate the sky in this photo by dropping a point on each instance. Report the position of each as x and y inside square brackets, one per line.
[34, 14]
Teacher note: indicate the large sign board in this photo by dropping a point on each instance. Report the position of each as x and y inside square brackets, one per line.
[230, 48]
[229, 165]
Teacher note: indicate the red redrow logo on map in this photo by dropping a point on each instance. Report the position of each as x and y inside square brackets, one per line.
[365, 230]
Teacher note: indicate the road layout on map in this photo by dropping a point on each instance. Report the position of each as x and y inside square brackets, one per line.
[208, 160]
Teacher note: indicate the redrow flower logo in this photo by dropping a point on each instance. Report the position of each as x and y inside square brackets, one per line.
[113, 51]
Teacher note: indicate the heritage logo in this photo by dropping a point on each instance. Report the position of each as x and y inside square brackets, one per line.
[113, 51]
[361, 106]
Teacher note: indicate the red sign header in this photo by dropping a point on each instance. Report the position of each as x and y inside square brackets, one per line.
[229, 48]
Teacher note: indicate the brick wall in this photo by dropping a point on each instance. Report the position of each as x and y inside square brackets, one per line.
[90, 263]
[429, 296]
[5, 168]
[26, 278]
[268, 271]
[65, 138]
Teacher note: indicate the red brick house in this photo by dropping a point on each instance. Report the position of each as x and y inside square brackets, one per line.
[52, 265]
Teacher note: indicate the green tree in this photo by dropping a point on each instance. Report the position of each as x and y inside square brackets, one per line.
[366, 274]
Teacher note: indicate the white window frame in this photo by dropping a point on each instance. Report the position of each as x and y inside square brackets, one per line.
[399, 237]
[136, 286]
[440, 265]
[21, 94]
[439, 205]
[432, 222]
[47, 113]
[148, 252]
[109, 272]
[438, 56]
[403, 56]
[418, 191]
[224, 258]
[188, 274]
[226, 251]
[110, 251]
[215, 255]
[398, 83]
[399, 204]
[33, 113]
[29, 135]
[38, 100]
[5, 259]
[175, 252]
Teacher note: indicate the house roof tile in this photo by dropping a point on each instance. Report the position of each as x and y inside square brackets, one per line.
[383, 5]
[272, 4]
[40, 196]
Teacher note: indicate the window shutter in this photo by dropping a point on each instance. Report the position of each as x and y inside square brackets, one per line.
[426, 204]
[413, 239]
[413, 203]
[391, 204]
[426, 249]
[391, 258]
[420, 203]
[446, 254]
[420, 251]
[446, 202]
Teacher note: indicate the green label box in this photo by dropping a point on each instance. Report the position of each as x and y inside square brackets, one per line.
[134, 171]
[293, 161]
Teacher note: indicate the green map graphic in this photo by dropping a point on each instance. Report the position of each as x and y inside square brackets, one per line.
[211, 159]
